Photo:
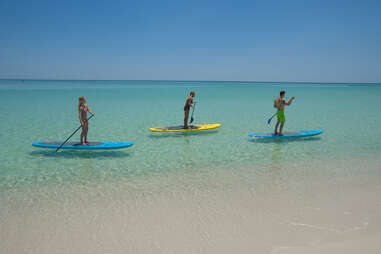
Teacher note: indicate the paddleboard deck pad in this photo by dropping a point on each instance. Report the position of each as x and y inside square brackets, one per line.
[191, 128]
[296, 134]
[89, 146]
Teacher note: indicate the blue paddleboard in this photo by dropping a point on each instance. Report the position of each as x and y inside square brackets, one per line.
[78, 146]
[295, 134]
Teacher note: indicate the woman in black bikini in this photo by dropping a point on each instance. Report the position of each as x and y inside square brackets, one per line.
[188, 104]
[82, 112]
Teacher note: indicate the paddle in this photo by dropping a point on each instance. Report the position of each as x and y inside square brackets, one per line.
[73, 133]
[191, 121]
[268, 121]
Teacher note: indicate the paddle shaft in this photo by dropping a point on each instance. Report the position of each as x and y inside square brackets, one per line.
[73, 133]
[191, 121]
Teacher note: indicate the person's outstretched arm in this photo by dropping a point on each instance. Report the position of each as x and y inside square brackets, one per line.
[290, 101]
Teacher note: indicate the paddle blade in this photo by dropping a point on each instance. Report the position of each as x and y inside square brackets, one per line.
[191, 121]
[268, 121]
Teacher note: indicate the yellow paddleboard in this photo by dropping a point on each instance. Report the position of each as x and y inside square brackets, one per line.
[191, 128]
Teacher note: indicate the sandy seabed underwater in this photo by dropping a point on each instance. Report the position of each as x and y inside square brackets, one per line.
[216, 192]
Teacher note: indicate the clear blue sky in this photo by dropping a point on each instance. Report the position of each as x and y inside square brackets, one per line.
[322, 41]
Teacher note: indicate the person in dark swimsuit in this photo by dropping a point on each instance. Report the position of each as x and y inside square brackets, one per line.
[188, 105]
[82, 112]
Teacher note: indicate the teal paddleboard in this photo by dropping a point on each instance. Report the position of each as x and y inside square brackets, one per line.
[78, 146]
[295, 134]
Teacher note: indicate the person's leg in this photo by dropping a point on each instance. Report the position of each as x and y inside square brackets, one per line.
[86, 130]
[278, 117]
[82, 134]
[186, 119]
[282, 120]
[281, 129]
[276, 128]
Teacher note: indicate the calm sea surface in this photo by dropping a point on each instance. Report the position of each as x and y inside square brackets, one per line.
[33, 111]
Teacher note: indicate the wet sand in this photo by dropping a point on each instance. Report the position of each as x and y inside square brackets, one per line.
[241, 210]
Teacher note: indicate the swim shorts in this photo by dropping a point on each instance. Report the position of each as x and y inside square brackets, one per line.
[280, 116]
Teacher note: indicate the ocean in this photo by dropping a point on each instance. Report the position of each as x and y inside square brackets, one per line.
[209, 192]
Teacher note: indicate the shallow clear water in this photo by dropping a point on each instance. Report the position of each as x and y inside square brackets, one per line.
[46, 111]
[211, 192]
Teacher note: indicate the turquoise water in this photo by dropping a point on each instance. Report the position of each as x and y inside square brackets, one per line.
[33, 111]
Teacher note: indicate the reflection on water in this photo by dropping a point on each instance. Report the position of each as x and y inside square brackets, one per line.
[276, 156]
[179, 134]
[80, 154]
[284, 140]
[187, 152]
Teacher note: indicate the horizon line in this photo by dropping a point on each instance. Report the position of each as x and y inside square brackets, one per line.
[174, 80]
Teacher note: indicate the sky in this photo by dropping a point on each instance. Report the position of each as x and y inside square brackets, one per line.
[302, 41]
